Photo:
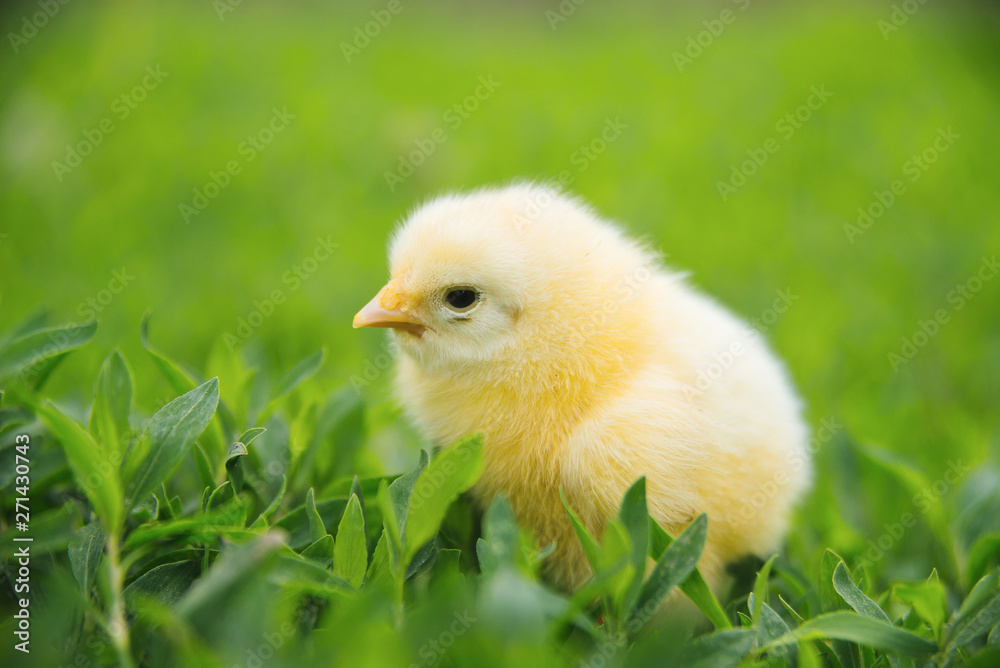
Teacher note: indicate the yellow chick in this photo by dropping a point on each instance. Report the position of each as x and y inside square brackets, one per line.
[521, 314]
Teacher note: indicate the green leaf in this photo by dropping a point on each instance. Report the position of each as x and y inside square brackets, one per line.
[380, 565]
[34, 321]
[847, 653]
[317, 529]
[295, 376]
[166, 438]
[148, 510]
[927, 598]
[217, 436]
[615, 566]
[350, 555]
[790, 610]
[328, 437]
[770, 627]
[176, 508]
[907, 473]
[37, 374]
[808, 656]
[227, 519]
[295, 574]
[424, 556]
[398, 497]
[358, 491]
[500, 542]
[856, 628]
[454, 470]
[94, 475]
[85, 550]
[390, 525]
[760, 589]
[677, 562]
[291, 379]
[160, 587]
[989, 658]
[261, 521]
[299, 527]
[179, 379]
[217, 493]
[635, 517]
[234, 466]
[974, 623]
[982, 555]
[234, 461]
[979, 595]
[250, 435]
[109, 425]
[27, 354]
[321, 551]
[590, 546]
[854, 597]
[721, 649]
[204, 466]
[237, 565]
[694, 585]
[830, 599]
[446, 568]
[515, 606]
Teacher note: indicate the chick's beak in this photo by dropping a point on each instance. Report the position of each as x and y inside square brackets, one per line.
[390, 308]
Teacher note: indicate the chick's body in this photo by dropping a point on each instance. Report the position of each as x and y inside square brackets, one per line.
[587, 365]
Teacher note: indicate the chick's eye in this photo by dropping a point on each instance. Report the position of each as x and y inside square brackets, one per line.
[462, 299]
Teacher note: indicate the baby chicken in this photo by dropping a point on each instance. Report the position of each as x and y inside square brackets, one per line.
[521, 314]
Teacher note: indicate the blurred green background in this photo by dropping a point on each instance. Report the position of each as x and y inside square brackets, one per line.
[688, 124]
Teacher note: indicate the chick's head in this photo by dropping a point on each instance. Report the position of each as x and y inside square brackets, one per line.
[500, 275]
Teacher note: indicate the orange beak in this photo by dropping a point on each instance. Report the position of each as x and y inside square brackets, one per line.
[390, 308]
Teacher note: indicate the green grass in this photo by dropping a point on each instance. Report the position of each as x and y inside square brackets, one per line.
[908, 487]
